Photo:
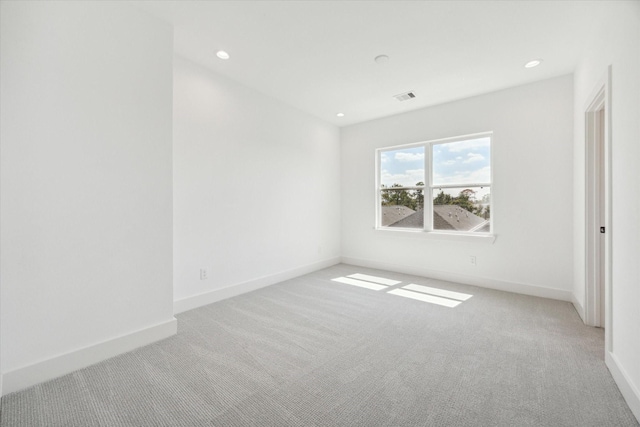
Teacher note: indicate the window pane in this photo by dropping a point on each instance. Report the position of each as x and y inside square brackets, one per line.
[462, 209]
[462, 162]
[402, 168]
[402, 208]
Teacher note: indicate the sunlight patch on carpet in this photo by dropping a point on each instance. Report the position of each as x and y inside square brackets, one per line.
[360, 283]
[425, 298]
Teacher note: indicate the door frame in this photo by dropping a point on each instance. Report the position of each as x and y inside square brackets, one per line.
[596, 163]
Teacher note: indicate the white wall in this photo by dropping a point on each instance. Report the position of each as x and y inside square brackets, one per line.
[531, 193]
[257, 189]
[615, 41]
[86, 185]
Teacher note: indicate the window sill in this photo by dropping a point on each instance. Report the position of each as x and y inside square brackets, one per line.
[438, 235]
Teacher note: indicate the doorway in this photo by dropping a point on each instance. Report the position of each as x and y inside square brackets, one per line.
[598, 210]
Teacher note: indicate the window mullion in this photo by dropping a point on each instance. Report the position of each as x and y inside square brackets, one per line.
[428, 192]
[378, 207]
[462, 184]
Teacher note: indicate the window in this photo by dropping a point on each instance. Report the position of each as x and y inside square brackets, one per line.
[455, 176]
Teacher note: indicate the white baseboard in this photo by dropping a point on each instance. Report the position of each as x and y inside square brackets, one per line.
[195, 301]
[482, 282]
[629, 390]
[27, 376]
[579, 308]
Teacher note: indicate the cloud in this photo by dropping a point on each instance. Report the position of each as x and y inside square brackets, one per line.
[448, 162]
[409, 178]
[473, 157]
[402, 156]
[384, 158]
[482, 175]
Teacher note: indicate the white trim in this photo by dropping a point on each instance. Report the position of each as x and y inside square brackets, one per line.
[427, 199]
[577, 306]
[464, 185]
[629, 390]
[593, 218]
[57, 366]
[415, 187]
[206, 298]
[479, 226]
[460, 236]
[376, 200]
[428, 179]
[599, 99]
[482, 282]
[608, 241]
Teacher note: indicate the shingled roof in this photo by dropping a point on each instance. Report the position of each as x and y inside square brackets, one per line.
[445, 217]
[394, 213]
[415, 220]
[458, 218]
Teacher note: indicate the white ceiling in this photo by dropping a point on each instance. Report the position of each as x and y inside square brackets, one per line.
[318, 56]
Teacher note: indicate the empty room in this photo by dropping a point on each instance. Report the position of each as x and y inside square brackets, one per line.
[319, 213]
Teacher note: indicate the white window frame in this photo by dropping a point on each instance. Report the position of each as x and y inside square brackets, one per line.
[428, 188]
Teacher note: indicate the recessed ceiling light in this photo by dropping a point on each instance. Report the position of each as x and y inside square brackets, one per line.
[533, 63]
[340, 114]
[222, 54]
[380, 59]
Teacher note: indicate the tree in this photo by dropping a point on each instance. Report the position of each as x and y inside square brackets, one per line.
[385, 195]
[398, 196]
[487, 212]
[418, 196]
[443, 199]
[464, 200]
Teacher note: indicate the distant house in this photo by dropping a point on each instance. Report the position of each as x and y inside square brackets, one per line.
[445, 217]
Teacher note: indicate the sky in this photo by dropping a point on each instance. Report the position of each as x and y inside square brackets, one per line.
[460, 162]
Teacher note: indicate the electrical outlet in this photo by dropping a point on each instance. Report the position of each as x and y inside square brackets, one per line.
[472, 260]
[204, 274]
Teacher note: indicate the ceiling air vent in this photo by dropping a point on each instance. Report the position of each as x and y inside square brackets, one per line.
[404, 96]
